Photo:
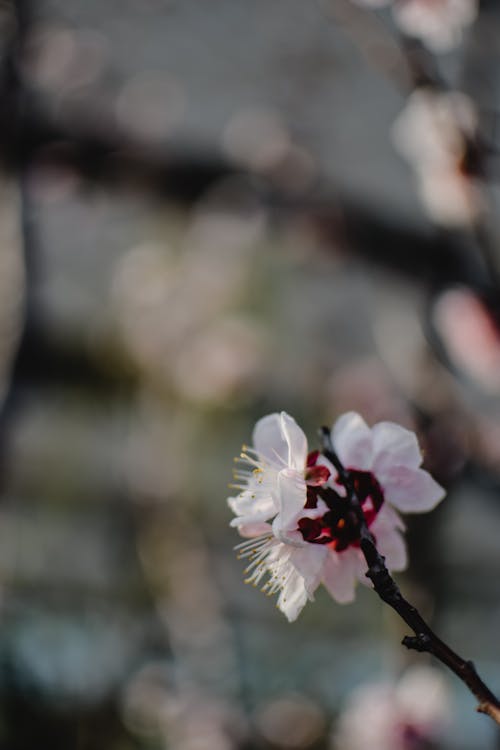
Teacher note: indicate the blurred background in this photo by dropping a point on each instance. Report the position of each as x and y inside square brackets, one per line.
[208, 213]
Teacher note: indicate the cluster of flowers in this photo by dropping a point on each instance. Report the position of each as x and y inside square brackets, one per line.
[294, 512]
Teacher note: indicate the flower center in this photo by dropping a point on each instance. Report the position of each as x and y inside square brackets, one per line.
[339, 527]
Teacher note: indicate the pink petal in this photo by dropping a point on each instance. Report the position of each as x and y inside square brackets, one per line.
[393, 444]
[360, 565]
[352, 440]
[339, 575]
[390, 544]
[411, 490]
[389, 515]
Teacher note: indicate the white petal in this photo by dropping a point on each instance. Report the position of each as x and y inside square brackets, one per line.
[251, 505]
[293, 596]
[439, 25]
[296, 441]
[423, 694]
[251, 530]
[390, 544]
[308, 561]
[352, 440]
[280, 441]
[339, 575]
[411, 490]
[292, 496]
[269, 441]
[393, 444]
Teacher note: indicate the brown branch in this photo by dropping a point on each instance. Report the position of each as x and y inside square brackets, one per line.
[424, 639]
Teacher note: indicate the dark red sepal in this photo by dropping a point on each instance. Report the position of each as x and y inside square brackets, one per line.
[312, 457]
[317, 475]
[312, 498]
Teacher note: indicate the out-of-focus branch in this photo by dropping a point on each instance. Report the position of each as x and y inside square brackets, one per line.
[13, 91]
[424, 639]
[28, 135]
[103, 155]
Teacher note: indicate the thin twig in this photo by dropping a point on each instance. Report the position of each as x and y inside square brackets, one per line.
[424, 639]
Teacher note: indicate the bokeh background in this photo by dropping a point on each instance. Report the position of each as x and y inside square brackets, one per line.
[204, 219]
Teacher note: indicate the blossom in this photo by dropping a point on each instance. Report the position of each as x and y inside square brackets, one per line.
[439, 24]
[293, 507]
[279, 445]
[433, 133]
[471, 336]
[410, 714]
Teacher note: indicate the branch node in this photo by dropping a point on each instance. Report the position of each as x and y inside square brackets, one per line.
[420, 642]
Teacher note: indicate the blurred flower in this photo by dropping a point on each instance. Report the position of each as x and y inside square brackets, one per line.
[151, 105]
[364, 385]
[433, 127]
[231, 354]
[439, 24]
[58, 59]
[408, 715]
[471, 336]
[450, 197]
[177, 313]
[313, 538]
[433, 134]
[290, 721]
[156, 705]
[257, 139]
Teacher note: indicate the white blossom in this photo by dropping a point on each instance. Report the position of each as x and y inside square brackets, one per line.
[278, 444]
[292, 507]
[439, 24]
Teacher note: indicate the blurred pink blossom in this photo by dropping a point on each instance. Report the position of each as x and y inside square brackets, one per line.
[471, 337]
[408, 715]
[439, 24]
[432, 133]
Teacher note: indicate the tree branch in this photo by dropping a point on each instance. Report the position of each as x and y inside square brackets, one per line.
[424, 639]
